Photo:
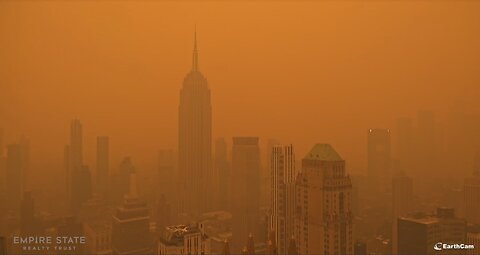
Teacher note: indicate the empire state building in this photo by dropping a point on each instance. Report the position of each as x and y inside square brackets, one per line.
[195, 142]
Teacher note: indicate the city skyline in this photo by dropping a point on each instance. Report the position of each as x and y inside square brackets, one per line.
[307, 128]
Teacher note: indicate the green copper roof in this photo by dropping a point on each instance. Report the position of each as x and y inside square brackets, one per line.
[323, 151]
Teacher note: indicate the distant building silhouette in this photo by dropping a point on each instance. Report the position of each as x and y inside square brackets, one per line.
[283, 176]
[222, 169]
[379, 158]
[103, 167]
[14, 181]
[324, 219]
[471, 193]
[402, 201]
[418, 233]
[473, 237]
[166, 175]
[245, 189]
[195, 142]
[131, 230]
[121, 180]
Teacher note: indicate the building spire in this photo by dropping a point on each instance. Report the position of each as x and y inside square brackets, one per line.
[195, 52]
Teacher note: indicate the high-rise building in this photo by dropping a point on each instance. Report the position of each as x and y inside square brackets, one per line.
[418, 233]
[103, 164]
[471, 193]
[402, 201]
[81, 187]
[183, 239]
[28, 224]
[245, 189]
[402, 194]
[405, 142]
[130, 229]
[14, 183]
[324, 219]
[77, 174]
[98, 238]
[222, 168]
[379, 158]
[283, 195]
[195, 142]
[166, 174]
[360, 248]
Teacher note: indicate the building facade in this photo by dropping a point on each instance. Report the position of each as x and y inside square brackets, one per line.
[324, 219]
[283, 176]
[195, 142]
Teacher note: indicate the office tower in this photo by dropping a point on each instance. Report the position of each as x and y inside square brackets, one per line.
[222, 168]
[471, 193]
[292, 247]
[166, 174]
[245, 189]
[378, 158]
[183, 239]
[14, 168]
[75, 171]
[164, 213]
[76, 145]
[405, 142]
[195, 142]
[402, 194]
[98, 237]
[130, 229]
[81, 187]
[402, 201]
[25, 154]
[418, 233]
[323, 221]
[103, 163]
[283, 195]
[266, 175]
[28, 224]
[121, 180]
[425, 143]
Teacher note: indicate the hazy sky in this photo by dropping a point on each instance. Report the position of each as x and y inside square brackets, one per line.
[301, 72]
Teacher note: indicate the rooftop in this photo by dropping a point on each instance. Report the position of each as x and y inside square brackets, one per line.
[323, 151]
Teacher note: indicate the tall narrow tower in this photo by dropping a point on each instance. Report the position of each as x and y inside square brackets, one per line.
[324, 220]
[283, 176]
[195, 141]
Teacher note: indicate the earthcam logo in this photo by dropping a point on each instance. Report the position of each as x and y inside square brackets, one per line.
[444, 246]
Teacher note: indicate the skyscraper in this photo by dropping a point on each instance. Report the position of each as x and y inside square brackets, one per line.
[417, 234]
[245, 189]
[222, 168]
[323, 222]
[379, 158]
[103, 157]
[14, 175]
[195, 141]
[75, 171]
[402, 194]
[166, 174]
[282, 195]
[130, 229]
[471, 193]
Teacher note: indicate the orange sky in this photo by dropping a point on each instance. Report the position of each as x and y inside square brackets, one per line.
[300, 72]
